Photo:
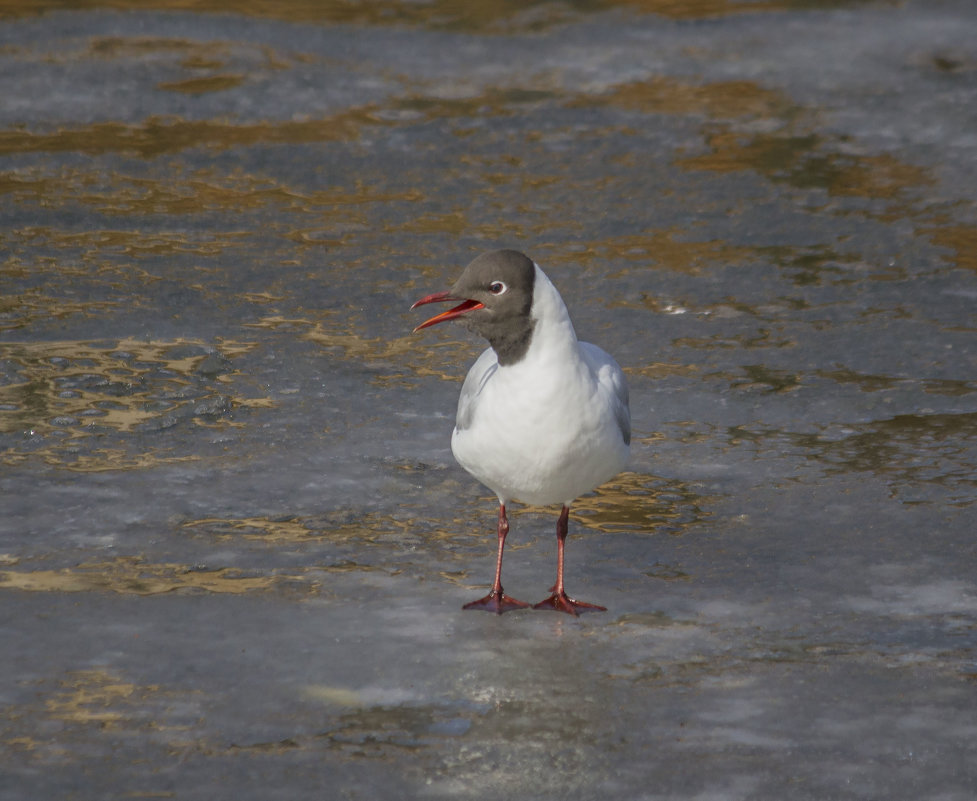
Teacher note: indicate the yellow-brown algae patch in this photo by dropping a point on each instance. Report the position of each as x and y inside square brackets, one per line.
[140, 46]
[486, 17]
[199, 61]
[103, 460]
[130, 575]
[664, 248]
[721, 100]
[704, 9]
[72, 385]
[274, 322]
[261, 297]
[131, 243]
[204, 192]
[961, 239]
[662, 370]
[420, 358]
[803, 160]
[864, 381]
[369, 527]
[256, 403]
[638, 502]
[694, 9]
[456, 577]
[388, 534]
[353, 345]
[203, 84]
[361, 348]
[29, 183]
[86, 702]
[289, 530]
[99, 356]
[491, 102]
[20, 310]
[450, 223]
[25, 745]
[162, 135]
[94, 696]
[766, 379]
[761, 338]
[878, 176]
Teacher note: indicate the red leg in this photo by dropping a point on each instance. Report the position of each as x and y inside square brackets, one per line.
[559, 600]
[497, 601]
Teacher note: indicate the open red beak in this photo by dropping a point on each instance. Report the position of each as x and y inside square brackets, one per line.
[443, 297]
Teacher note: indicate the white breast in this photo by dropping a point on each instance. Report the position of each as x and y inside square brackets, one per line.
[550, 427]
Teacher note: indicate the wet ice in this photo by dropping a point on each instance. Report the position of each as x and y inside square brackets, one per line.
[233, 531]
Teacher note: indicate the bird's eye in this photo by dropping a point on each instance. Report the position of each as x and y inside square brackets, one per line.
[497, 287]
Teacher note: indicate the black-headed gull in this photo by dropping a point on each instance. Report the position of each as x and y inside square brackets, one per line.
[542, 417]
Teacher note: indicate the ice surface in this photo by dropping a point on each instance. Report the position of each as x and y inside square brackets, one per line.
[234, 545]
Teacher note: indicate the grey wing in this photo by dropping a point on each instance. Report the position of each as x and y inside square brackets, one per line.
[481, 371]
[610, 375]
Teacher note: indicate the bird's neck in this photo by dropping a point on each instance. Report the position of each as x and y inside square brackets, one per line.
[552, 330]
[510, 344]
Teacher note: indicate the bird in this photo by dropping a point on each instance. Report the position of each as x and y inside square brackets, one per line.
[542, 417]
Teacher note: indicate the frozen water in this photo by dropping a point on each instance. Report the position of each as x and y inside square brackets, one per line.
[234, 545]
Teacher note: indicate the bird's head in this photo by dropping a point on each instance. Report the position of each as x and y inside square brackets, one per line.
[496, 287]
[495, 298]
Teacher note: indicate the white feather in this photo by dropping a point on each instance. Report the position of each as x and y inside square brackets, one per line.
[550, 427]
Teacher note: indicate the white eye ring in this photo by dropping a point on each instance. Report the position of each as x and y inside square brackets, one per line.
[498, 288]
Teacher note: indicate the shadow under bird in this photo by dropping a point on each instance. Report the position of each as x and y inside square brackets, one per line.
[542, 417]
